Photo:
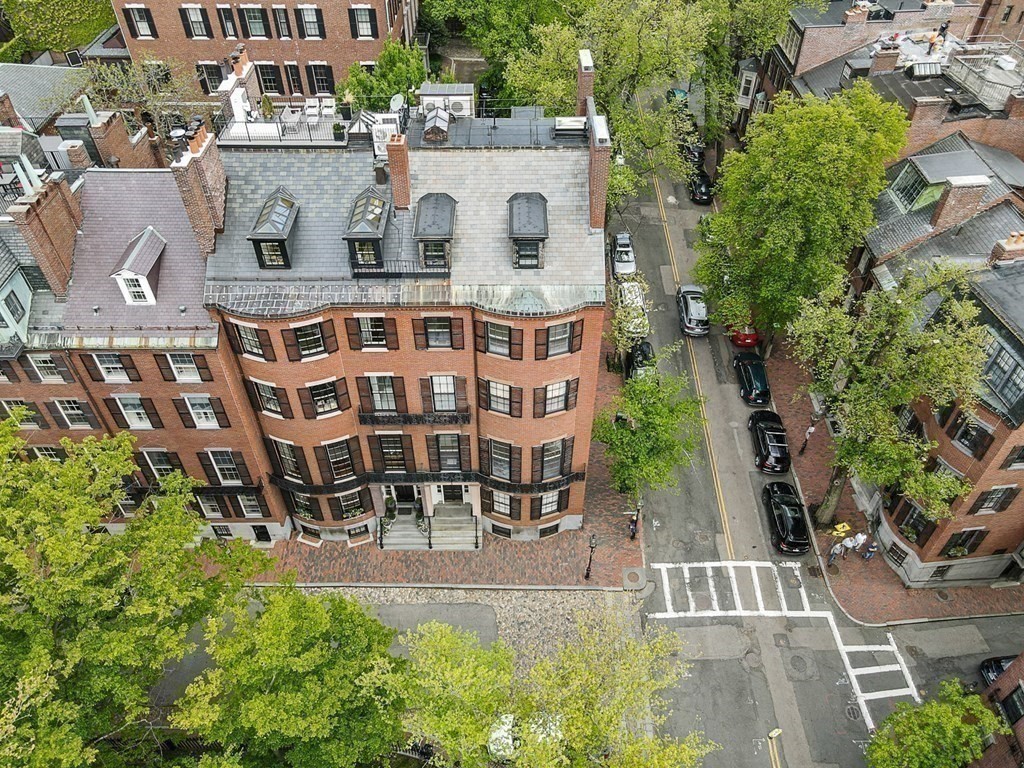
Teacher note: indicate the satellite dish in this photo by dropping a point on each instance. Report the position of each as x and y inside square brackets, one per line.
[397, 102]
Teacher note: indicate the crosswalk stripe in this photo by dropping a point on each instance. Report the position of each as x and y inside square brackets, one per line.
[877, 669]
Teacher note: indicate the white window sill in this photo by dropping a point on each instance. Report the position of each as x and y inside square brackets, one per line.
[231, 482]
[257, 38]
[189, 381]
[116, 381]
[142, 428]
[330, 415]
[257, 358]
[272, 415]
[366, 38]
[207, 426]
[375, 349]
[73, 426]
[313, 358]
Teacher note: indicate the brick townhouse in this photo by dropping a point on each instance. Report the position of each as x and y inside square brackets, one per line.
[1005, 695]
[959, 200]
[300, 48]
[1002, 18]
[424, 337]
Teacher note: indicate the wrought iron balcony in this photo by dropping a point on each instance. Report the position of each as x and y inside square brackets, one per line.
[394, 419]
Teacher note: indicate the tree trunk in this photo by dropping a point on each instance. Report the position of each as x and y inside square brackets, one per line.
[826, 511]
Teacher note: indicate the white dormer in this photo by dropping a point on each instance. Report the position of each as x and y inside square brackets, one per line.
[139, 270]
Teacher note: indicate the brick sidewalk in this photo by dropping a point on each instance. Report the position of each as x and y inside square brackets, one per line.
[557, 561]
[869, 591]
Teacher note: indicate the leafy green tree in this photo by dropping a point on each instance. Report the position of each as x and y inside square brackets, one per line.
[456, 691]
[947, 731]
[889, 351]
[629, 322]
[304, 680]
[58, 24]
[796, 202]
[651, 428]
[88, 621]
[497, 27]
[399, 69]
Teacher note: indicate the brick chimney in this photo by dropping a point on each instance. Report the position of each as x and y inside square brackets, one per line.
[203, 185]
[886, 60]
[76, 153]
[243, 76]
[110, 134]
[8, 116]
[959, 200]
[398, 166]
[1010, 249]
[48, 218]
[858, 14]
[600, 164]
[584, 82]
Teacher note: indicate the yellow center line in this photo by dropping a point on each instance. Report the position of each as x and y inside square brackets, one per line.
[719, 497]
[773, 754]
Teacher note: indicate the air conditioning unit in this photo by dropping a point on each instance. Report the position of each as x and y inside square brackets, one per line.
[457, 99]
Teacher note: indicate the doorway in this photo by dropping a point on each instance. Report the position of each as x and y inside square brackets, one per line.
[262, 532]
[452, 494]
[405, 494]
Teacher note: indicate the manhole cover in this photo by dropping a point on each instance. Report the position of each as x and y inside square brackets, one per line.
[793, 582]
[703, 537]
[853, 713]
[942, 594]
[752, 660]
[815, 571]
[632, 577]
[799, 663]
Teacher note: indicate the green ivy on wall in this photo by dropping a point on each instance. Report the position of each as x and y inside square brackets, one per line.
[58, 24]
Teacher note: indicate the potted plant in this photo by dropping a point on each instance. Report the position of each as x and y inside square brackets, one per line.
[421, 520]
[956, 552]
[908, 533]
[267, 107]
[339, 132]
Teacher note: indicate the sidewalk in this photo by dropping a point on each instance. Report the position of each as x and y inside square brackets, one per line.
[558, 561]
[869, 591]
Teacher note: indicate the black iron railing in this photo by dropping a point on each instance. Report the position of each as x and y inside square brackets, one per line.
[443, 419]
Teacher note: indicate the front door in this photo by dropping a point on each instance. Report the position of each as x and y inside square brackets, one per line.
[452, 494]
[405, 494]
[262, 532]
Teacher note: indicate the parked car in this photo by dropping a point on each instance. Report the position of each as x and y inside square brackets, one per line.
[693, 312]
[744, 336]
[753, 378]
[633, 299]
[786, 525]
[623, 255]
[640, 360]
[675, 94]
[700, 187]
[771, 448]
[992, 668]
[693, 153]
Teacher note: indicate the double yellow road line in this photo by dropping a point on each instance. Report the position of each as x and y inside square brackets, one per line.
[693, 359]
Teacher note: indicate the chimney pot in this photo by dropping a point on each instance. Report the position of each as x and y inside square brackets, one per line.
[398, 167]
[959, 201]
[584, 81]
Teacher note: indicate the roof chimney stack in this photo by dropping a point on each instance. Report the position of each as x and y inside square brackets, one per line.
[202, 182]
[959, 201]
[48, 218]
[600, 164]
[398, 167]
[584, 82]
[1010, 249]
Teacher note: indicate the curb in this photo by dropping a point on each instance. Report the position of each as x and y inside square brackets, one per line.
[385, 585]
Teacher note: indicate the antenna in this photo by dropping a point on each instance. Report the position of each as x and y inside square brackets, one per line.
[397, 102]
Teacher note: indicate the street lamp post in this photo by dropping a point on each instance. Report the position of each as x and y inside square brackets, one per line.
[590, 561]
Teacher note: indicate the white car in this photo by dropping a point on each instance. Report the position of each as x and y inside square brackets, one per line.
[623, 255]
[693, 312]
[633, 302]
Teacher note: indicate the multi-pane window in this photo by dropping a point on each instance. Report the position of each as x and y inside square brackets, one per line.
[448, 453]
[159, 462]
[435, 253]
[211, 75]
[195, 22]
[549, 503]
[1007, 12]
[211, 507]
[73, 413]
[322, 79]
[227, 470]
[552, 460]
[559, 339]
[127, 507]
[527, 254]
[284, 25]
[267, 396]
[184, 366]
[393, 452]
[439, 331]
[973, 436]
[351, 506]
[1004, 373]
[289, 458]
[272, 254]
[250, 505]
[789, 42]
[997, 499]
[371, 332]
[227, 22]
[502, 504]
[555, 397]
[1013, 705]
[14, 306]
[254, 20]
[135, 292]
[291, 71]
[202, 411]
[366, 255]
[48, 452]
[267, 74]
[501, 460]
[141, 19]
[111, 367]
[221, 531]
[500, 397]
[363, 26]
[340, 458]
[443, 389]
[46, 367]
[310, 339]
[310, 25]
[382, 389]
[908, 187]
[134, 412]
[303, 505]
[499, 339]
[325, 397]
[27, 420]
[249, 339]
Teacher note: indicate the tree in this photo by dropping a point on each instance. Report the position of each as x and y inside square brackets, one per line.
[456, 692]
[650, 428]
[497, 27]
[88, 621]
[306, 680]
[630, 321]
[889, 351]
[399, 69]
[58, 24]
[947, 731]
[796, 202]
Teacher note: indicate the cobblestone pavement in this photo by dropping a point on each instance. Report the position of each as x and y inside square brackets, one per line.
[556, 561]
[869, 591]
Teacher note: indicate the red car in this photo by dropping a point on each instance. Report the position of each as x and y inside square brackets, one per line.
[745, 336]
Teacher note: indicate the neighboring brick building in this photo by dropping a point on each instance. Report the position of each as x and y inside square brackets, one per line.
[960, 200]
[1000, 18]
[429, 333]
[300, 48]
[1006, 696]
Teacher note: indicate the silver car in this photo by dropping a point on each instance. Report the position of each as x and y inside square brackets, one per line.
[623, 255]
[693, 311]
[633, 301]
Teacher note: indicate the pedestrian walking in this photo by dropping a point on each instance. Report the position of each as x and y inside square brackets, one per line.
[807, 436]
[849, 543]
[833, 553]
[871, 550]
[860, 539]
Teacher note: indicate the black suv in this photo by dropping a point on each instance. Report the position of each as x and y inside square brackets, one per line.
[771, 449]
[753, 378]
[640, 360]
[785, 519]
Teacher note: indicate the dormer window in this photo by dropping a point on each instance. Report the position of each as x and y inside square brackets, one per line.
[528, 229]
[272, 231]
[434, 230]
[139, 268]
[366, 224]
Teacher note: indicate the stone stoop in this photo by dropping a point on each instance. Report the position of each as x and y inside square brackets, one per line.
[448, 533]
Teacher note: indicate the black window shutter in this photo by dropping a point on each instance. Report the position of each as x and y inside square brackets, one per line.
[352, 25]
[954, 424]
[538, 464]
[1008, 498]
[231, 332]
[517, 402]
[984, 440]
[458, 335]
[29, 369]
[242, 467]
[131, 23]
[355, 339]
[330, 337]
[570, 398]
[480, 333]
[282, 29]
[376, 455]
[567, 446]
[218, 409]
[165, 366]
[484, 450]
[129, 368]
[483, 395]
[152, 24]
[465, 454]
[90, 414]
[37, 416]
[89, 363]
[9, 373]
[334, 504]
[329, 72]
[373, 24]
[539, 402]
[978, 503]
[250, 390]
[266, 345]
[1011, 457]
[207, 463]
[357, 456]
[278, 80]
[410, 457]
[391, 333]
[426, 395]
[401, 403]
[365, 500]
[486, 500]
[175, 461]
[461, 396]
[286, 406]
[312, 89]
[264, 507]
[186, 415]
[62, 369]
[323, 463]
[266, 23]
[300, 28]
[320, 24]
[300, 456]
[516, 464]
[563, 500]
[143, 465]
[57, 416]
[365, 397]
[535, 504]
[291, 344]
[515, 508]
[341, 389]
[152, 413]
[206, 22]
[540, 344]
[577, 336]
[115, 412]
[204, 369]
[515, 350]
[925, 534]
[419, 333]
[306, 399]
[243, 23]
[275, 460]
[975, 541]
[433, 454]
[185, 23]
[222, 14]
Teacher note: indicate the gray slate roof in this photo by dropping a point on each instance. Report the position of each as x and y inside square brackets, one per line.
[108, 44]
[33, 87]
[117, 205]
[142, 252]
[435, 217]
[938, 168]
[528, 215]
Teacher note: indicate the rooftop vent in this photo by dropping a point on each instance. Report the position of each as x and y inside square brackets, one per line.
[436, 126]
[571, 127]
[921, 70]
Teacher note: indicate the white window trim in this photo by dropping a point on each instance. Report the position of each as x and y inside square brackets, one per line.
[188, 401]
[124, 413]
[109, 379]
[245, 516]
[59, 403]
[203, 500]
[146, 453]
[210, 452]
[189, 380]
[21, 425]
[125, 291]
[49, 380]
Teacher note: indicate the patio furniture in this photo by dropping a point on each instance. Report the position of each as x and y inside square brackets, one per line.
[312, 108]
[328, 108]
[290, 120]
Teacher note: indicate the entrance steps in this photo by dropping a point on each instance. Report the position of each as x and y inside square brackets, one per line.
[447, 533]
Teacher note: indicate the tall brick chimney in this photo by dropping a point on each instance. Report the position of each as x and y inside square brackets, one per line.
[858, 14]
[959, 200]
[1010, 249]
[584, 82]
[48, 218]
[398, 166]
[886, 60]
[600, 163]
[203, 185]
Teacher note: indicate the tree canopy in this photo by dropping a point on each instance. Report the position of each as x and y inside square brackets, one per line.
[817, 166]
[497, 27]
[58, 24]
[399, 69]
[947, 731]
[918, 341]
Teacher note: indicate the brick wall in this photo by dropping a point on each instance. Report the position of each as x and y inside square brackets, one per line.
[1000, 18]
[48, 219]
[928, 124]
[112, 141]
[1006, 752]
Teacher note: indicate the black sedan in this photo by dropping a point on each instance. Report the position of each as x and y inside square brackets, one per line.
[771, 448]
[786, 524]
[640, 360]
[753, 378]
[700, 187]
[994, 667]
